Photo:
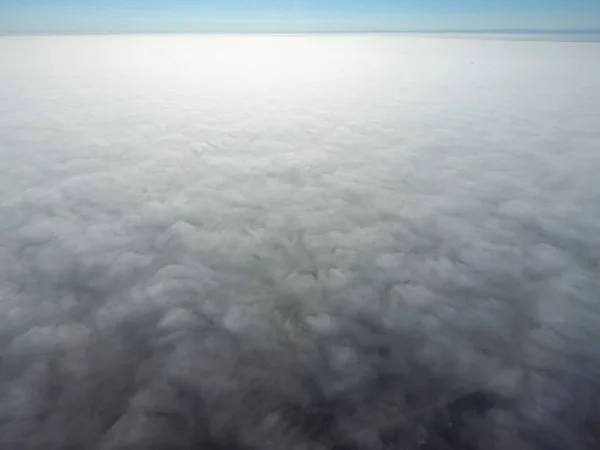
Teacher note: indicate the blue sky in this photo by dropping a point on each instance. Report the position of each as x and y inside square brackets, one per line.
[132, 16]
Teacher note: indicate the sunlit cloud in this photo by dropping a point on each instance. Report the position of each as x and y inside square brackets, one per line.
[245, 231]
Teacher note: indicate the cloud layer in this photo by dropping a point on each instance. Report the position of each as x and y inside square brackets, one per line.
[243, 214]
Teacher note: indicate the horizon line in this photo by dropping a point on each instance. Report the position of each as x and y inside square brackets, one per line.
[516, 31]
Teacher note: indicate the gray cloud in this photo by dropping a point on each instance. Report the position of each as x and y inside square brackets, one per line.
[296, 242]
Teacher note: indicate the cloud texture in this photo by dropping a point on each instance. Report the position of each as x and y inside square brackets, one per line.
[298, 243]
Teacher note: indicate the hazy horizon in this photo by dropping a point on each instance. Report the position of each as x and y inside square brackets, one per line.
[498, 31]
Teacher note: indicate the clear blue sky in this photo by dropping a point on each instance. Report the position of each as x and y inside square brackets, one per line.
[134, 16]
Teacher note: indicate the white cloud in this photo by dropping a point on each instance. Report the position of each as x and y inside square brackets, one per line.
[215, 214]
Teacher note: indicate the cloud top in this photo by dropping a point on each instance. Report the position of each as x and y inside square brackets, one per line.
[185, 220]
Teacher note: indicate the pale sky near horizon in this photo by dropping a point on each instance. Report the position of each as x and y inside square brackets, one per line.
[137, 16]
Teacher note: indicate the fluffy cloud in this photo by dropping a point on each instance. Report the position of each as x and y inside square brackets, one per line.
[298, 242]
